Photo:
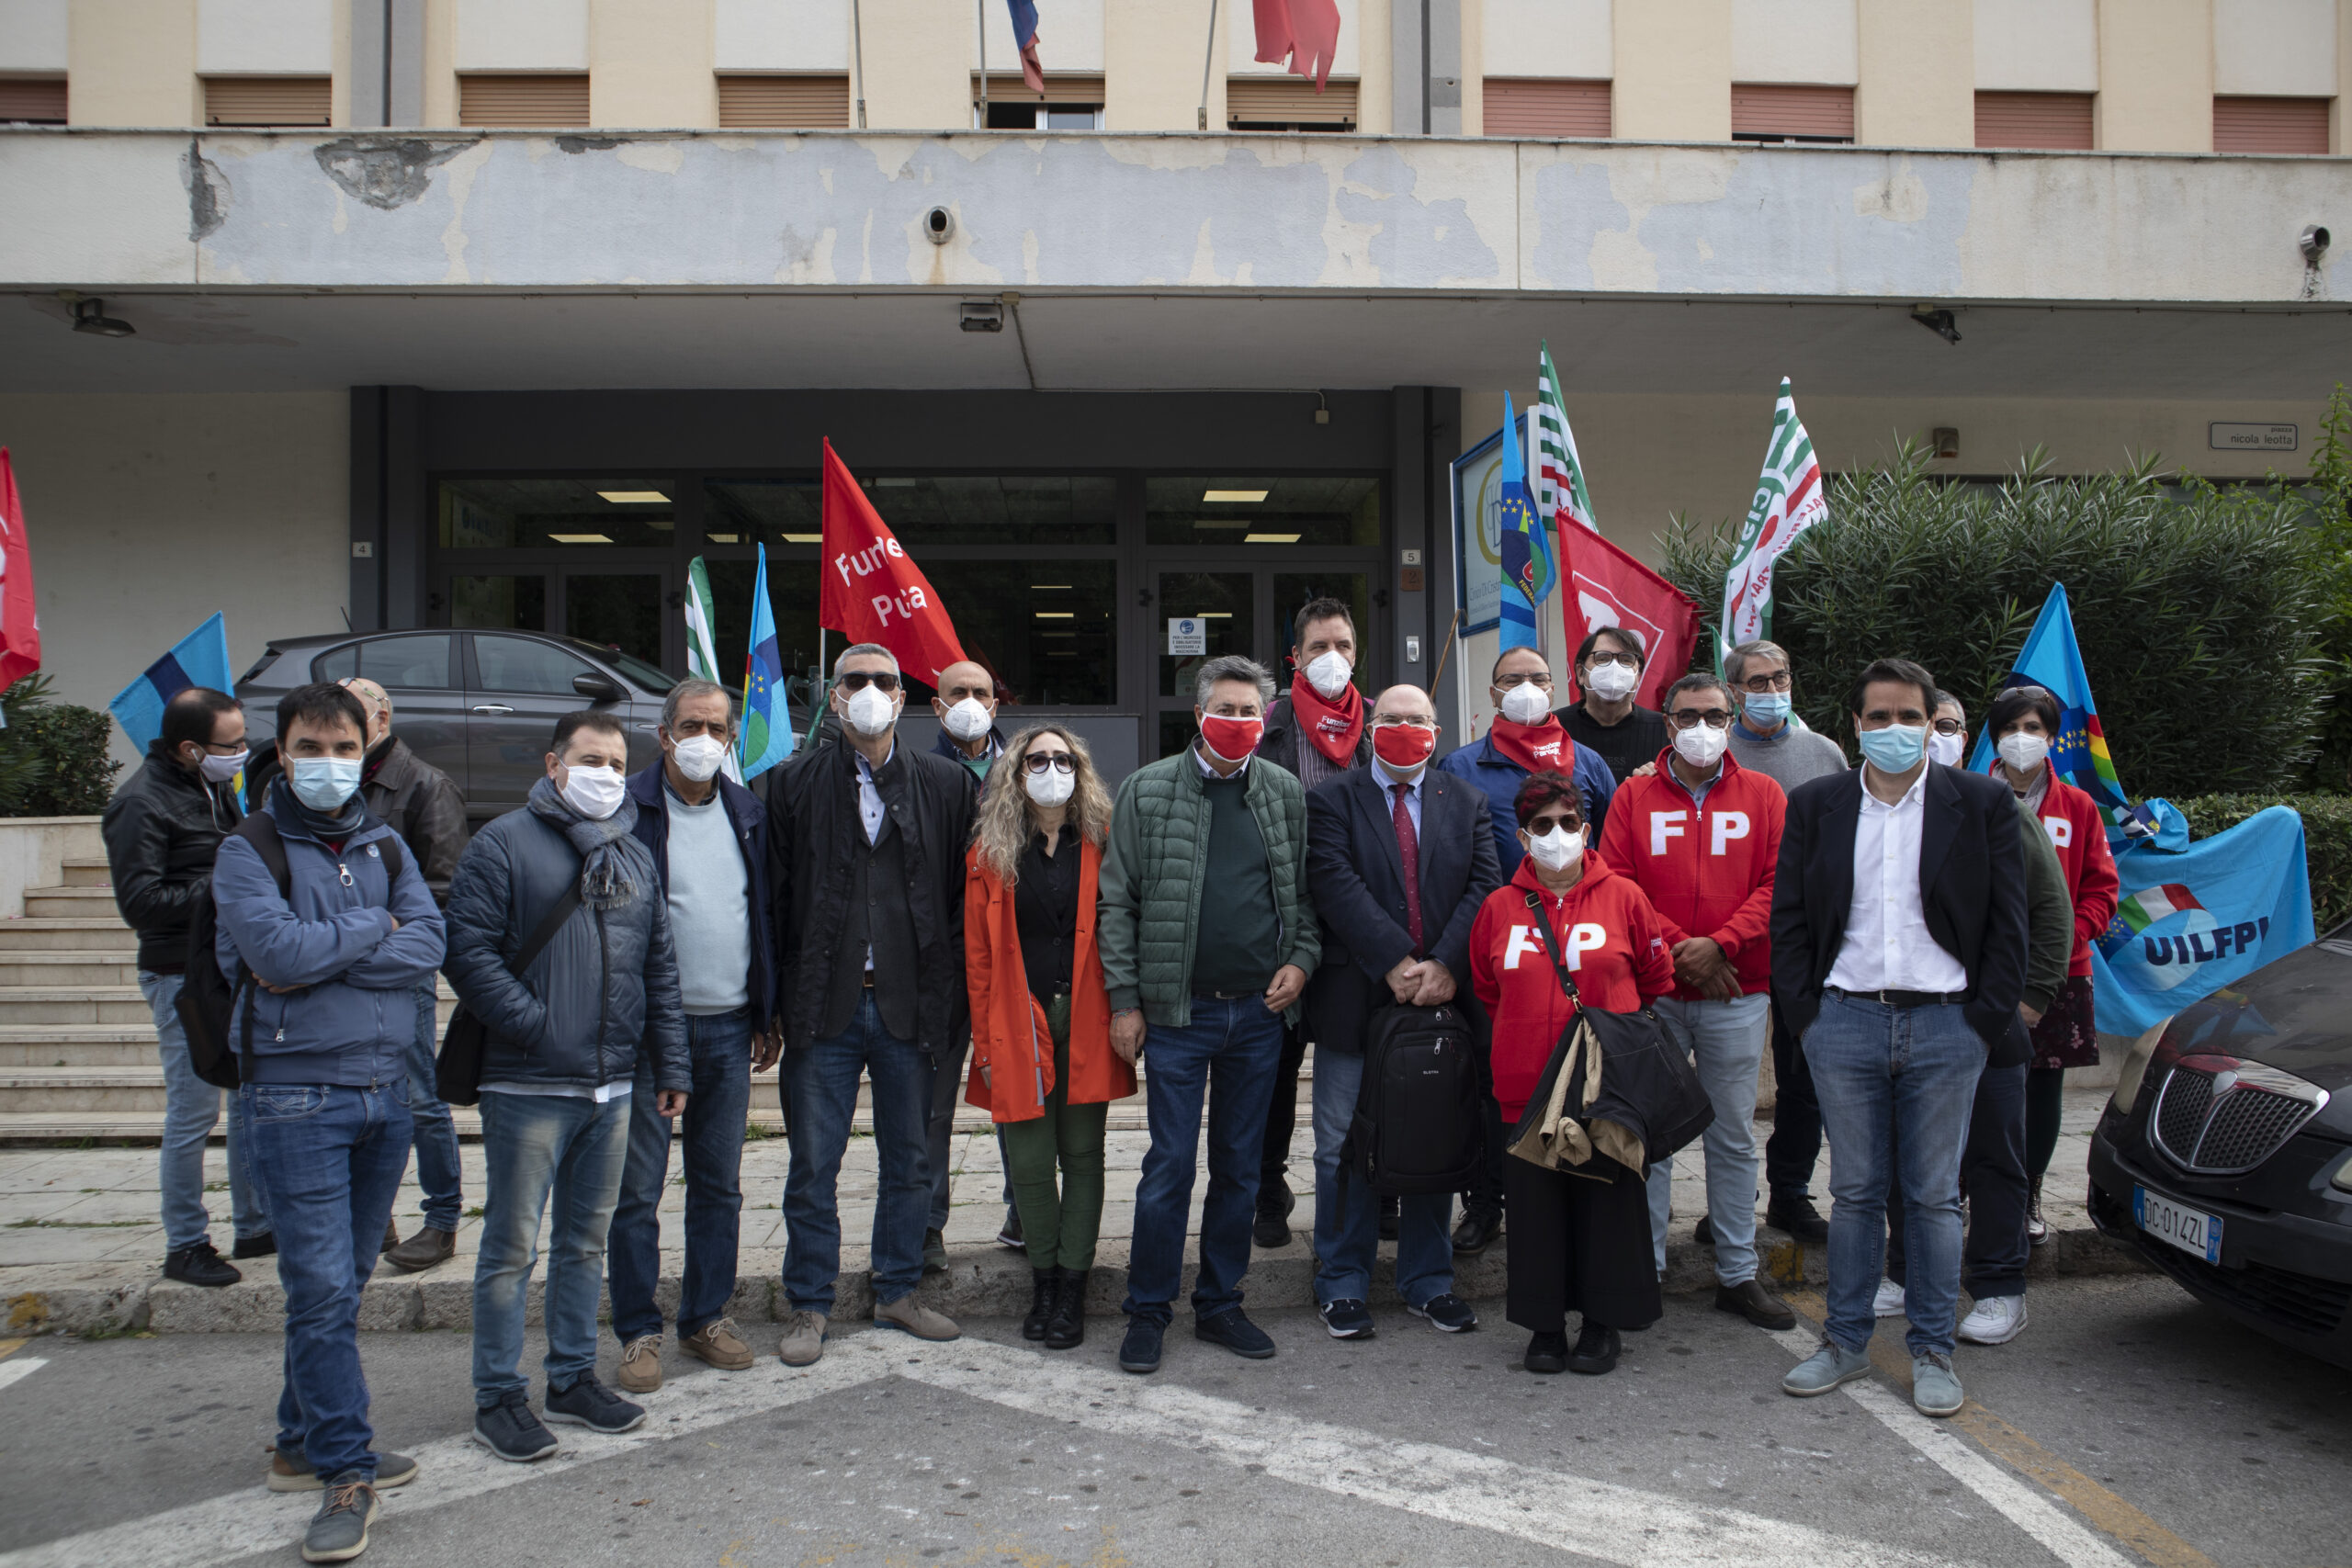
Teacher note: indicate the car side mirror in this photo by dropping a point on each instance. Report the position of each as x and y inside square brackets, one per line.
[597, 688]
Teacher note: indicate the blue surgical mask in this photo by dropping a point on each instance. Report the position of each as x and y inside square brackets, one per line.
[324, 784]
[1764, 710]
[1896, 749]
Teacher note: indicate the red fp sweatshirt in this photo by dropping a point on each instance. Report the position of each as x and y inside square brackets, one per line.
[1706, 869]
[2078, 833]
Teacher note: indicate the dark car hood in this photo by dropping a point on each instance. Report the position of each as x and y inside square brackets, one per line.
[2295, 1015]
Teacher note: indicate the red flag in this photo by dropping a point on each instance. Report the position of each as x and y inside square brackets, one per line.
[1304, 32]
[19, 621]
[1609, 587]
[873, 592]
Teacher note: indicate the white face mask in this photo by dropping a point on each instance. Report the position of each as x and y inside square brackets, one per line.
[1701, 745]
[967, 720]
[1526, 703]
[1051, 788]
[1328, 673]
[2023, 752]
[1944, 749]
[1612, 681]
[871, 712]
[698, 756]
[220, 770]
[1557, 850]
[595, 792]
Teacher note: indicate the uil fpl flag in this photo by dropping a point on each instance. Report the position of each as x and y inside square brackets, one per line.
[1788, 501]
[2051, 660]
[1528, 575]
[702, 647]
[767, 721]
[1558, 478]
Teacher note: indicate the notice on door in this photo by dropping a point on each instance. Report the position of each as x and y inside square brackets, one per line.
[1187, 634]
[2252, 437]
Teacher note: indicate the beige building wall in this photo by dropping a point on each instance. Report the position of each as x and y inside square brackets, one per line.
[132, 62]
[238, 502]
[1673, 71]
[1473, 81]
[650, 63]
[1918, 86]
[2339, 139]
[919, 60]
[1143, 43]
[440, 63]
[1375, 68]
[2155, 76]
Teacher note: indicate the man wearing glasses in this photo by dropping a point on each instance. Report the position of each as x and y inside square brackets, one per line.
[866, 849]
[1701, 836]
[1605, 718]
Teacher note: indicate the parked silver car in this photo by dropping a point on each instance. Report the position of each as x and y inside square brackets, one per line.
[480, 706]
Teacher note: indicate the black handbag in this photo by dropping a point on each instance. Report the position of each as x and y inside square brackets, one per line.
[456, 1073]
[1419, 1125]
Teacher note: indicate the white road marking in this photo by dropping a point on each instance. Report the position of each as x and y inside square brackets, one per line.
[16, 1371]
[2067, 1537]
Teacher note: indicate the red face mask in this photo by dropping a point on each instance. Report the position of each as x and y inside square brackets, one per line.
[1232, 739]
[1404, 745]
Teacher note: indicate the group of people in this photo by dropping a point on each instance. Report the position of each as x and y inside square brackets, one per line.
[984, 916]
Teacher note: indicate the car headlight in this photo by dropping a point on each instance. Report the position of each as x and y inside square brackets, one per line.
[2342, 1178]
[2135, 1068]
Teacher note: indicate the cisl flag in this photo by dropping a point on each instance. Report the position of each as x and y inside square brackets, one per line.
[873, 592]
[1788, 501]
[1609, 587]
[19, 621]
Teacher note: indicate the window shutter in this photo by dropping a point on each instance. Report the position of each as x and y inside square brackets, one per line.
[2058, 121]
[548, 100]
[268, 100]
[802, 102]
[26, 100]
[1767, 110]
[1289, 100]
[2270, 125]
[1534, 105]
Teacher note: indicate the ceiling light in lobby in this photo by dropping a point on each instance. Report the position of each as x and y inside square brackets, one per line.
[1269, 539]
[1250, 497]
[634, 497]
[581, 538]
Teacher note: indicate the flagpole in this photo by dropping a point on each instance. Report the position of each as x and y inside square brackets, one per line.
[858, 39]
[1209, 60]
[980, 13]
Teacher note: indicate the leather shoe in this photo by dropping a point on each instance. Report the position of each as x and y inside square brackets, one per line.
[1798, 1218]
[1139, 1352]
[1751, 1301]
[1546, 1353]
[1596, 1350]
[423, 1250]
[1476, 1231]
[1703, 1233]
[1236, 1333]
[262, 1246]
[1273, 1229]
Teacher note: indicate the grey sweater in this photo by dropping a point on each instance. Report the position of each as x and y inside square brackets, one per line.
[1789, 757]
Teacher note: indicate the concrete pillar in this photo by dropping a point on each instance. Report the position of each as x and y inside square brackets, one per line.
[1673, 80]
[649, 63]
[919, 60]
[132, 62]
[2155, 76]
[1433, 49]
[1153, 52]
[1918, 84]
[2339, 114]
[437, 89]
[386, 51]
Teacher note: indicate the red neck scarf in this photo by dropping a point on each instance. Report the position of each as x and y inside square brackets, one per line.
[1538, 748]
[1335, 728]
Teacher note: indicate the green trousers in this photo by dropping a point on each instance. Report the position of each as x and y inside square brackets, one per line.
[1060, 1222]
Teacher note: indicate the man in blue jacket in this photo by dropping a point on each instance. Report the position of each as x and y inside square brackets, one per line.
[564, 1040]
[708, 837]
[326, 969]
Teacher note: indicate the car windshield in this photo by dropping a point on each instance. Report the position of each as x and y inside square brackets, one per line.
[646, 675]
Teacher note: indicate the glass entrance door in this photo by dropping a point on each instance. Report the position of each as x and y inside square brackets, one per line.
[1199, 616]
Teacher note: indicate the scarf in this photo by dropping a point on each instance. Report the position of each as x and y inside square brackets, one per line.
[615, 867]
[1335, 728]
[331, 828]
[1538, 748]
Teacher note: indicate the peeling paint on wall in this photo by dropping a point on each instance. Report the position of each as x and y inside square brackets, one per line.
[208, 193]
[385, 174]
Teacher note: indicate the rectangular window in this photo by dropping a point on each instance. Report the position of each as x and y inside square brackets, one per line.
[1048, 510]
[1546, 106]
[2270, 125]
[1229, 513]
[32, 100]
[1288, 103]
[1778, 111]
[1069, 103]
[793, 102]
[268, 100]
[523, 515]
[2057, 122]
[557, 101]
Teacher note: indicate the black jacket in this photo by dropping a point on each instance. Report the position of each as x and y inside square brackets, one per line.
[162, 830]
[813, 826]
[1282, 739]
[750, 819]
[1355, 873]
[1972, 883]
[423, 806]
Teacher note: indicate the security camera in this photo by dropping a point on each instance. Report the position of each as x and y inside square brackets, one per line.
[2313, 242]
[939, 225]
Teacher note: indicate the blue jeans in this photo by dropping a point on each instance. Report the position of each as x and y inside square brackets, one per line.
[821, 1081]
[329, 1161]
[1896, 1083]
[1225, 1058]
[1726, 1041]
[437, 1170]
[191, 1108]
[535, 1145]
[717, 1105]
[1346, 1238]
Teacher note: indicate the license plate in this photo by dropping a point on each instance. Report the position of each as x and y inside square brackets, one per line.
[2192, 1230]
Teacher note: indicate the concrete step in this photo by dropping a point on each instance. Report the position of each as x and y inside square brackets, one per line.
[108, 1053]
[92, 872]
[67, 968]
[32, 934]
[115, 1090]
[70, 901]
[71, 1004]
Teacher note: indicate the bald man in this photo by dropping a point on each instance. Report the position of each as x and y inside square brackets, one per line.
[967, 708]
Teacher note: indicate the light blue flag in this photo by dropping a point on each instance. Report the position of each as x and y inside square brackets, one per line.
[1526, 545]
[2188, 923]
[767, 717]
[2051, 661]
[199, 659]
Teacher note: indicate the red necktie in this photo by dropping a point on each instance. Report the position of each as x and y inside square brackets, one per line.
[1409, 845]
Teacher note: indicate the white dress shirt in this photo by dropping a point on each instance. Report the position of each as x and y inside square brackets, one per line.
[1887, 947]
[870, 810]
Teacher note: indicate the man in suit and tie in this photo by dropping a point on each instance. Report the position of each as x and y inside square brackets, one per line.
[1399, 856]
[1899, 953]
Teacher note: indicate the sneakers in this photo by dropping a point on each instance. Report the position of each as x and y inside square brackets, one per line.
[934, 1252]
[1139, 1351]
[1347, 1318]
[716, 1343]
[591, 1405]
[1995, 1320]
[804, 1339]
[339, 1530]
[423, 1250]
[1236, 1333]
[1798, 1218]
[1889, 1302]
[641, 1364]
[911, 1316]
[199, 1265]
[1832, 1366]
[1751, 1301]
[1274, 1205]
[292, 1472]
[1596, 1351]
[262, 1246]
[1447, 1312]
[2036, 1229]
[509, 1430]
[1546, 1353]
[1009, 1233]
[1935, 1387]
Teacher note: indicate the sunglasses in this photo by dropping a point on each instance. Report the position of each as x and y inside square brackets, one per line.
[1061, 762]
[856, 680]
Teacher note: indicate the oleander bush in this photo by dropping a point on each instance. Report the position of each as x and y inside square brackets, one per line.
[53, 759]
[2327, 840]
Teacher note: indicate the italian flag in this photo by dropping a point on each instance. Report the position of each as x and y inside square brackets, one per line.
[1789, 499]
[2140, 910]
[702, 647]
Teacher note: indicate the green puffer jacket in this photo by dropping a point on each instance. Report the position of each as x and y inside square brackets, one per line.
[1149, 902]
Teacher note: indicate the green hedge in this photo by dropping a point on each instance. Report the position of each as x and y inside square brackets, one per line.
[2327, 840]
[53, 759]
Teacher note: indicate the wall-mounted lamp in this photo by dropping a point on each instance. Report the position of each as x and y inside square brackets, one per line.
[980, 316]
[90, 316]
[1939, 322]
[1322, 409]
[1944, 441]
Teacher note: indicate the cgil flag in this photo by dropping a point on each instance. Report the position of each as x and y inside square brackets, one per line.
[20, 616]
[1609, 587]
[1557, 477]
[199, 659]
[872, 589]
[1304, 32]
[1025, 39]
[767, 717]
[2052, 660]
[702, 647]
[1789, 499]
[1528, 572]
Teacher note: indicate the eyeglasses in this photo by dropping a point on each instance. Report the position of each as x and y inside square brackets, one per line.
[1948, 727]
[1061, 762]
[1383, 720]
[1540, 678]
[1778, 681]
[856, 680]
[1690, 719]
[1630, 661]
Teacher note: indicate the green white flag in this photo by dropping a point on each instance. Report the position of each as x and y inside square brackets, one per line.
[702, 647]
[1555, 477]
[1789, 499]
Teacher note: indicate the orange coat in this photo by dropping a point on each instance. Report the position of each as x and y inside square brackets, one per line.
[1012, 1052]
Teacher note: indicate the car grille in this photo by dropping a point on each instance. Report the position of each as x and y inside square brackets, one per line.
[2278, 1296]
[2223, 1120]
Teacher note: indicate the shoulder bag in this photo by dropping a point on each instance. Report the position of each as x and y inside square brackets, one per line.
[457, 1075]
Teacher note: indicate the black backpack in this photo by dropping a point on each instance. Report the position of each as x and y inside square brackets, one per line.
[207, 1001]
[1420, 1124]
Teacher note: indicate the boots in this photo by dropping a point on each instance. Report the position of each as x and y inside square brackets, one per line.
[2036, 1229]
[1066, 1329]
[1045, 1282]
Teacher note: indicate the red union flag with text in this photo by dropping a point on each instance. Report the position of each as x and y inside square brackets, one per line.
[20, 620]
[1609, 587]
[873, 592]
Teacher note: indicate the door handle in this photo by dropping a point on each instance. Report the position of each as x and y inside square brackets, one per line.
[492, 707]
[649, 726]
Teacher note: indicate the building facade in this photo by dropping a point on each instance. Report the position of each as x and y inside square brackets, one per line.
[481, 314]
